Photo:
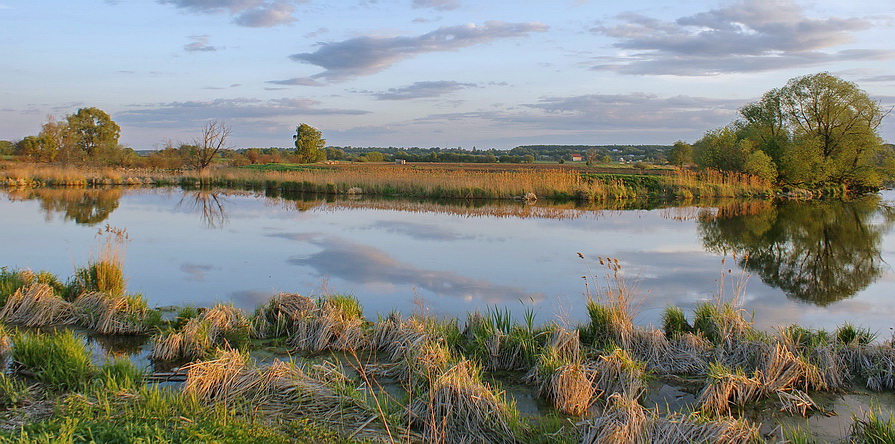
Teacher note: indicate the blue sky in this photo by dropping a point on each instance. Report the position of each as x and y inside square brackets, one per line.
[428, 72]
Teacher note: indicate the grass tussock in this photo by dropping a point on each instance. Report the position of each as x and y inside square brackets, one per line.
[625, 422]
[727, 387]
[285, 392]
[459, 407]
[37, 305]
[221, 326]
[498, 343]
[333, 322]
[105, 270]
[118, 315]
[873, 428]
[60, 361]
[14, 280]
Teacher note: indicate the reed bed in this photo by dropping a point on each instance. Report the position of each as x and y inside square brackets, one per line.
[494, 340]
[116, 315]
[37, 305]
[284, 391]
[441, 181]
[222, 326]
[460, 408]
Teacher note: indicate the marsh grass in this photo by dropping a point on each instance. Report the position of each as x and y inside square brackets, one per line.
[119, 315]
[284, 391]
[60, 361]
[498, 343]
[13, 391]
[873, 428]
[221, 326]
[459, 407]
[105, 271]
[37, 305]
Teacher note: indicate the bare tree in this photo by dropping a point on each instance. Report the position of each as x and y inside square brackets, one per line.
[211, 140]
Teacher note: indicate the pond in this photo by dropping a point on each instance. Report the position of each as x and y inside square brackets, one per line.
[818, 264]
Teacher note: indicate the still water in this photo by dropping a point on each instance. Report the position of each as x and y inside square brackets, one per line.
[818, 264]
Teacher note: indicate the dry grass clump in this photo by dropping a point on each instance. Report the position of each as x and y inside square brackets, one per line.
[109, 314]
[37, 305]
[278, 316]
[330, 323]
[728, 387]
[459, 407]
[284, 391]
[397, 337]
[571, 389]
[333, 323]
[222, 326]
[618, 373]
[626, 422]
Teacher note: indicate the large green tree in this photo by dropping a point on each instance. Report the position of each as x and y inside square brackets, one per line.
[309, 144]
[816, 130]
[94, 135]
[680, 154]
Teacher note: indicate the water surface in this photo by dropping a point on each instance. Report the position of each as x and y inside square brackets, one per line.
[817, 263]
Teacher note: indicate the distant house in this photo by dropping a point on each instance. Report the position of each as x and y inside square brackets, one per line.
[400, 161]
[576, 158]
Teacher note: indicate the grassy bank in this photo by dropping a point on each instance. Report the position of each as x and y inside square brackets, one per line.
[431, 181]
[338, 376]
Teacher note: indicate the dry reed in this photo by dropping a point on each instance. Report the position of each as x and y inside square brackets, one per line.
[221, 326]
[284, 392]
[109, 314]
[460, 408]
[37, 305]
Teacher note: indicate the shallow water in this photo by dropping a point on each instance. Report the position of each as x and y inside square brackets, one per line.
[818, 263]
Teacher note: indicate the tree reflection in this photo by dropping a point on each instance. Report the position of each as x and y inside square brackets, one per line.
[83, 206]
[818, 251]
[209, 204]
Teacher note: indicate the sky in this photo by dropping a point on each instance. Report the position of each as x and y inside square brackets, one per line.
[427, 73]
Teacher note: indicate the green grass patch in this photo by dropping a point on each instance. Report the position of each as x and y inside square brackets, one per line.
[61, 360]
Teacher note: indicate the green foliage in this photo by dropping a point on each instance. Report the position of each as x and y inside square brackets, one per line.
[760, 164]
[120, 374]
[12, 390]
[874, 428]
[10, 281]
[706, 321]
[598, 331]
[848, 334]
[94, 136]
[805, 338]
[309, 144]
[184, 314]
[674, 323]
[347, 304]
[680, 154]
[59, 360]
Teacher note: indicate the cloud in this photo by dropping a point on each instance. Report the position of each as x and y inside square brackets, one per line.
[744, 36]
[226, 109]
[296, 81]
[267, 15]
[440, 5]
[366, 55]
[251, 13]
[199, 44]
[196, 272]
[364, 264]
[422, 90]
[420, 231]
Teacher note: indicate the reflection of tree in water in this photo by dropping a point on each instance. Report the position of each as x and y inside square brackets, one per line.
[209, 204]
[818, 251]
[84, 206]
